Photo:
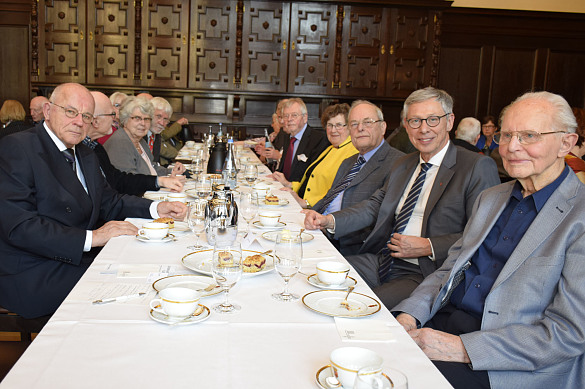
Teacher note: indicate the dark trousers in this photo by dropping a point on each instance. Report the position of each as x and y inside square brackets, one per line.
[454, 321]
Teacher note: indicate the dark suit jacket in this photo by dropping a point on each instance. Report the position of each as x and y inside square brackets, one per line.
[371, 177]
[14, 127]
[460, 179]
[465, 145]
[311, 145]
[45, 216]
[128, 183]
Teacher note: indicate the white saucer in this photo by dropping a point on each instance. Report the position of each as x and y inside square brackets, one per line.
[279, 225]
[191, 281]
[325, 372]
[180, 227]
[180, 321]
[168, 238]
[328, 302]
[314, 280]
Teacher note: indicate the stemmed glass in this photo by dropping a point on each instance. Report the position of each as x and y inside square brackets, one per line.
[251, 174]
[203, 187]
[197, 165]
[288, 255]
[226, 266]
[196, 220]
[248, 207]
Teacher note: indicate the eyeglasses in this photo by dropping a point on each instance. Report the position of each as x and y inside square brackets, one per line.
[113, 114]
[337, 126]
[366, 124]
[292, 115]
[159, 117]
[72, 113]
[140, 119]
[488, 126]
[432, 121]
[117, 105]
[524, 137]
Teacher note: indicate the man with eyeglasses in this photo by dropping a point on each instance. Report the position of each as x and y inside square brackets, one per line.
[304, 145]
[165, 145]
[423, 208]
[506, 309]
[53, 199]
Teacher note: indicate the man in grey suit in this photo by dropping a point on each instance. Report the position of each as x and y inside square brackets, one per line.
[506, 309]
[424, 207]
[360, 175]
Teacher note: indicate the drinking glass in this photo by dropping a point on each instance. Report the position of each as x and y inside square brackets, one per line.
[248, 207]
[288, 255]
[196, 220]
[197, 166]
[203, 186]
[251, 174]
[370, 378]
[226, 266]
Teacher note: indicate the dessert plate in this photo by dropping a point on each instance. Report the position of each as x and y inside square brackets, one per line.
[279, 225]
[180, 227]
[200, 261]
[328, 302]
[191, 281]
[314, 280]
[166, 239]
[281, 203]
[271, 236]
[179, 321]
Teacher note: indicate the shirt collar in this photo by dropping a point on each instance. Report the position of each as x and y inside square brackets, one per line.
[370, 153]
[299, 134]
[541, 197]
[60, 145]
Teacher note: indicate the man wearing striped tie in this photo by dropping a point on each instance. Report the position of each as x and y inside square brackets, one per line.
[423, 208]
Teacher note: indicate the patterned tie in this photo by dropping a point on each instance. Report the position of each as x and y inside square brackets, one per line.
[70, 157]
[402, 219]
[289, 157]
[456, 280]
[151, 142]
[341, 186]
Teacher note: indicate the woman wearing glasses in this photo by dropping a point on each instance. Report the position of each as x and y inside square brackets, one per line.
[319, 175]
[127, 149]
[486, 140]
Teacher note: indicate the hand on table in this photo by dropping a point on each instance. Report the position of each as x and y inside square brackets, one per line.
[315, 221]
[178, 169]
[295, 195]
[172, 183]
[272, 153]
[111, 229]
[407, 246]
[173, 209]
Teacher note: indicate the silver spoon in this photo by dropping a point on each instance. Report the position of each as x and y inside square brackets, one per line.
[344, 303]
[332, 382]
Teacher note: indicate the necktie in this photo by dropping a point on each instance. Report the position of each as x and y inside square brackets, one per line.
[70, 157]
[456, 280]
[403, 217]
[151, 142]
[340, 187]
[289, 157]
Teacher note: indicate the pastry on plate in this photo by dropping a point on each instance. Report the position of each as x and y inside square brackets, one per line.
[169, 220]
[272, 200]
[225, 258]
[254, 263]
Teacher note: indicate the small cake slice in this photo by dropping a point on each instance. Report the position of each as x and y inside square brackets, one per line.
[254, 263]
[272, 200]
[225, 258]
[169, 220]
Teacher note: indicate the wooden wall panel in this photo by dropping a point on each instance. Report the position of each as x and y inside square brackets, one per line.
[566, 75]
[14, 69]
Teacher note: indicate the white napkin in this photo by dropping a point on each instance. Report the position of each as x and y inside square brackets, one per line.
[250, 242]
[363, 330]
[318, 254]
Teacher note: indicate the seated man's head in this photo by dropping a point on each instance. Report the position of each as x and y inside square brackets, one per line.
[469, 130]
[294, 112]
[103, 116]
[36, 108]
[537, 131]
[428, 118]
[69, 113]
[162, 114]
[366, 125]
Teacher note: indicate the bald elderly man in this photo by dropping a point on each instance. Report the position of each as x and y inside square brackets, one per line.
[36, 108]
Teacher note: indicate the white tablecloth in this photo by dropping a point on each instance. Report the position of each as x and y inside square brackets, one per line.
[268, 344]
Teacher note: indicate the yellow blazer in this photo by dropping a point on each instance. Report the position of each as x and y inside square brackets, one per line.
[323, 171]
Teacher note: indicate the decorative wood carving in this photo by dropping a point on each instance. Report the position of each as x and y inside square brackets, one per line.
[34, 23]
[137, 42]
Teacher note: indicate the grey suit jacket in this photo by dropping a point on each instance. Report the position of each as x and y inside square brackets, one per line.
[532, 328]
[124, 156]
[371, 177]
[460, 179]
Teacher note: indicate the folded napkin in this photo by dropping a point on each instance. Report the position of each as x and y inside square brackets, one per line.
[363, 330]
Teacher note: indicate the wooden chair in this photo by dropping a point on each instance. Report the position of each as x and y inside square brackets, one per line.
[12, 322]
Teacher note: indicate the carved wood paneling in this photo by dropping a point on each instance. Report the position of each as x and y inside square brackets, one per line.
[265, 46]
[311, 48]
[165, 54]
[365, 49]
[62, 39]
[110, 55]
[212, 44]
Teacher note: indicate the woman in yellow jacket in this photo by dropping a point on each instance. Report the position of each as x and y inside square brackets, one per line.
[319, 176]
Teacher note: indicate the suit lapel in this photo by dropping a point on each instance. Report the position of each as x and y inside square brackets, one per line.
[442, 179]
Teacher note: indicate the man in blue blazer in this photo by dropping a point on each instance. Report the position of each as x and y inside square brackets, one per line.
[53, 199]
[506, 309]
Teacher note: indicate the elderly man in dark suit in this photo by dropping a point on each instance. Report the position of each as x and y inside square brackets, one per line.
[359, 176]
[304, 145]
[424, 207]
[53, 197]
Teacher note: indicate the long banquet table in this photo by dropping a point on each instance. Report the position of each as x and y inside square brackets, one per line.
[268, 344]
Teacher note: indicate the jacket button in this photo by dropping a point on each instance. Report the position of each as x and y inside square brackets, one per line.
[312, 176]
[308, 189]
[68, 209]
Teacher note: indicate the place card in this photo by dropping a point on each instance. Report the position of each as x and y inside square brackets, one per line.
[364, 330]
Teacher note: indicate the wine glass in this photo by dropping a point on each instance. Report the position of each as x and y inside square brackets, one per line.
[288, 255]
[197, 165]
[196, 220]
[370, 378]
[203, 187]
[248, 207]
[226, 267]
[251, 174]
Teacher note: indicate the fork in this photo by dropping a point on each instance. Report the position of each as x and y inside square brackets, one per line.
[344, 303]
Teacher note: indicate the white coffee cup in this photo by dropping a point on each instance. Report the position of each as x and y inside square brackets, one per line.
[269, 218]
[332, 272]
[347, 361]
[154, 230]
[175, 301]
[180, 197]
[190, 144]
[261, 190]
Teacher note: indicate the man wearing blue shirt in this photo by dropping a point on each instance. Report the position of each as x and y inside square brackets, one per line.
[506, 309]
